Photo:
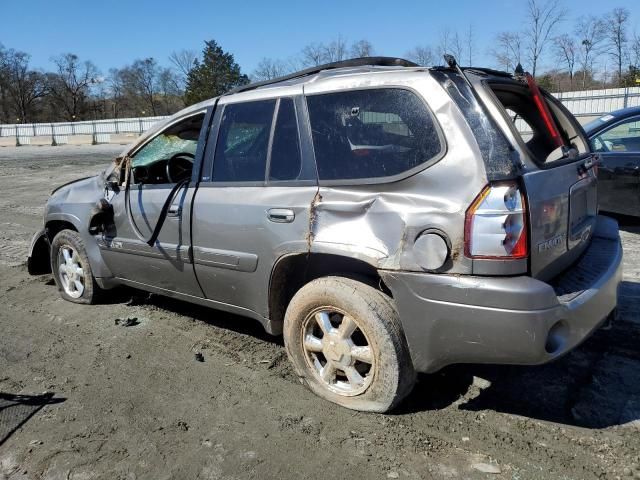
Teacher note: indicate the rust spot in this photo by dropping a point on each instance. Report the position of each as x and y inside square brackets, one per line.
[313, 216]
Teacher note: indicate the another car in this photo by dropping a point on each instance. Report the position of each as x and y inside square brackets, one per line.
[386, 218]
[616, 137]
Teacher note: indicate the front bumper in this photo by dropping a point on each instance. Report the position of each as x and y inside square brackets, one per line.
[511, 320]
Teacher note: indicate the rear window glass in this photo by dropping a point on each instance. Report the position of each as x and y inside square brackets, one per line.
[286, 162]
[370, 133]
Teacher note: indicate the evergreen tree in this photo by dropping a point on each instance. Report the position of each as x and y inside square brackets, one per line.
[215, 74]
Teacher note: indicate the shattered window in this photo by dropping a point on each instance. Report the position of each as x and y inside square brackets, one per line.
[371, 133]
[241, 151]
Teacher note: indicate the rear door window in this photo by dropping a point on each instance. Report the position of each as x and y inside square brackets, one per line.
[374, 133]
[286, 161]
[243, 142]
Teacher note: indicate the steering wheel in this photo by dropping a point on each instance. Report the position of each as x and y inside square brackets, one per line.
[179, 165]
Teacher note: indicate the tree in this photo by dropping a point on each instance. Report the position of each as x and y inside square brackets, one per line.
[444, 43]
[508, 50]
[590, 32]
[470, 45]
[183, 61]
[422, 55]
[361, 49]
[312, 55]
[269, 69]
[215, 74]
[21, 86]
[141, 80]
[542, 19]
[617, 26]
[566, 51]
[71, 83]
[335, 51]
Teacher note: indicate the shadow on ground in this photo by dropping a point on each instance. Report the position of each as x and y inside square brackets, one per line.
[16, 410]
[594, 386]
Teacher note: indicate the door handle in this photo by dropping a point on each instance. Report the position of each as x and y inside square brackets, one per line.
[281, 215]
[174, 211]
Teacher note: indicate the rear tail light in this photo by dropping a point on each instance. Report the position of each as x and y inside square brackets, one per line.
[496, 224]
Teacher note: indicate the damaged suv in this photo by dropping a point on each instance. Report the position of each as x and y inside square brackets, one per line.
[386, 218]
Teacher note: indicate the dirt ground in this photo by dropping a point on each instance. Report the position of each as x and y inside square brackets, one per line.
[83, 396]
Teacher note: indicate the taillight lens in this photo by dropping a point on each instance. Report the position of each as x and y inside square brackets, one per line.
[496, 224]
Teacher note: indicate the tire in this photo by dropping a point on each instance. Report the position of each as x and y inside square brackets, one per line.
[325, 355]
[68, 255]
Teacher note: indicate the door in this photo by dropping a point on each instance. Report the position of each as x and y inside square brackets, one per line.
[255, 206]
[619, 172]
[156, 167]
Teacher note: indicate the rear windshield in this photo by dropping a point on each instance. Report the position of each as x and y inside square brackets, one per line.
[522, 111]
[374, 133]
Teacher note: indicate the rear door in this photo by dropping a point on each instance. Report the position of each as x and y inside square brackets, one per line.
[254, 206]
[561, 189]
[619, 172]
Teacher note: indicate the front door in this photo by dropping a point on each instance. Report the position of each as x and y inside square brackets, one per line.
[255, 206]
[619, 172]
[155, 169]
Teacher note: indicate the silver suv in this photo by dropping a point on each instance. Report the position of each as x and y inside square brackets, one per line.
[386, 218]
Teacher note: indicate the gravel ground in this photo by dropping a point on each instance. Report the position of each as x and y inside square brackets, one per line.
[83, 396]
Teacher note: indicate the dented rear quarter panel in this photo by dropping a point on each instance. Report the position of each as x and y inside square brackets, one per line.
[378, 222]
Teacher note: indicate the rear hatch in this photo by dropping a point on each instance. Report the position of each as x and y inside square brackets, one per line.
[557, 175]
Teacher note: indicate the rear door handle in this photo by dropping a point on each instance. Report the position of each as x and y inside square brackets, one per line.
[281, 215]
[174, 211]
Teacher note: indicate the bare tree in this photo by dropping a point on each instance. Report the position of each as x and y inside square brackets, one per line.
[566, 51]
[141, 81]
[542, 21]
[470, 39]
[457, 47]
[617, 24]
[268, 69]
[336, 50]
[508, 50]
[590, 32]
[635, 51]
[70, 85]
[422, 55]
[444, 43]
[361, 48]
[183, 61]
[312, 55]
[22, 86]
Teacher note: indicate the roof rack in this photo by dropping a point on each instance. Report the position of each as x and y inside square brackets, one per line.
[353, 62]
[489, 71]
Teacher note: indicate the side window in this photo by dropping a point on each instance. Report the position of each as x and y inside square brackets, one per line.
[286, 162]
[243, 141]
[624, 137]
[371, 133]
[169, 156]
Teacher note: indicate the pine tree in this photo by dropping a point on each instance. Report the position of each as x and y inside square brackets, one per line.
[214, 75]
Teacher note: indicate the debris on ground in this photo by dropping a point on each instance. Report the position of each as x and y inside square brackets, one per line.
[199, 357]
[127, 322]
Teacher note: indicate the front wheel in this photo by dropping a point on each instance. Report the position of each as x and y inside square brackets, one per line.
[71, 269]
[346, 343]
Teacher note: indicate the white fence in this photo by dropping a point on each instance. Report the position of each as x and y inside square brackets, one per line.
[100, 130]
[585, 105]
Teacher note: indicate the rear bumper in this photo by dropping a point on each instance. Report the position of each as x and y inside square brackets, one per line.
[510, 320]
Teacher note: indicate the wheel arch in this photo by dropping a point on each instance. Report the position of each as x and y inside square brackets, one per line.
[292, 271]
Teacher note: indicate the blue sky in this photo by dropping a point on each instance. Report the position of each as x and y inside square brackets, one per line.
[115, 32]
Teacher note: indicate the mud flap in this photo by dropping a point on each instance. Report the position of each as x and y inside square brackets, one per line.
[38, 261]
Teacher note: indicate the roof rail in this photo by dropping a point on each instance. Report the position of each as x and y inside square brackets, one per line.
[353, 62]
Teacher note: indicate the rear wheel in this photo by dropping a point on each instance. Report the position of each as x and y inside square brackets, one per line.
[71, 269]
[345, 341]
